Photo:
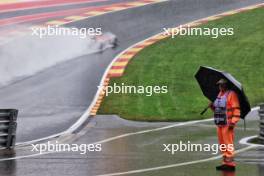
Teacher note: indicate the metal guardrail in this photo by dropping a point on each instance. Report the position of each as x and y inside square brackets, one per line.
[8, 125]
[261, 124]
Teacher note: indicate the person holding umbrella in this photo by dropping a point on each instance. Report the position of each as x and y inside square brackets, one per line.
[226, 109]
[229, 104]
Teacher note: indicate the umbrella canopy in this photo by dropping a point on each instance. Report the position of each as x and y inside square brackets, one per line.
[207, 78]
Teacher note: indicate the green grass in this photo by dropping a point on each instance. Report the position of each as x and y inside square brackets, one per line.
[173, 62]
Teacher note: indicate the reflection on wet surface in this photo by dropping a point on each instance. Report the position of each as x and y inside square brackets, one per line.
[8, 167]
[225, 173]
[136, 152]
[261, 169]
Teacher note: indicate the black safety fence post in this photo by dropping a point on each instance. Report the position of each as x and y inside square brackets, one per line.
[8, 125]
[261, 125]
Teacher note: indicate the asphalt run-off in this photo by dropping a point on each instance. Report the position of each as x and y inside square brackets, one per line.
[54, 81]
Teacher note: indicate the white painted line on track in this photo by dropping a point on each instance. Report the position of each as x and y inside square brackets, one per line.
[159, 129]
[117, 137]
[175, 165]
[246, 139]
[38, 140]
[255, 108]
[152, 130]
[127, 135]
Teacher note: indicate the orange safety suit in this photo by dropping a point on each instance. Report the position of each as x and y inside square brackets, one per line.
[225, 133]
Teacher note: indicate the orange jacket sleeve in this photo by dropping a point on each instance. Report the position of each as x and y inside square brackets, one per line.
[234, 107]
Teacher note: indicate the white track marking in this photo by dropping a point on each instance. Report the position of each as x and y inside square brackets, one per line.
[39, 140]
[246, 139]
[118, 137]
[158, 129]
[174, 165]
[123, 136]
[24, 156]
[255, 108]
[152, 130]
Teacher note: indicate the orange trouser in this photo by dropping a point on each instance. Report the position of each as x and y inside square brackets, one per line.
[226, 137]
[225, 173]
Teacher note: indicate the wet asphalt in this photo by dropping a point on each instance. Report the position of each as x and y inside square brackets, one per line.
[49, 102]
[52, 100]
[126, 150]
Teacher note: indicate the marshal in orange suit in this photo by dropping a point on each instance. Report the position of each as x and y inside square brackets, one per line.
[226, 114]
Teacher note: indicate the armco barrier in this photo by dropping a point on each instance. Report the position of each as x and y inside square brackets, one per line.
[261, 125]
[8, 127]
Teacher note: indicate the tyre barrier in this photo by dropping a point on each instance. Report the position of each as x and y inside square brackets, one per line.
[261, 124]
[8, 125]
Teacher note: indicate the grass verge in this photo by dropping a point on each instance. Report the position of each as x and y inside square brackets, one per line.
[173, 62]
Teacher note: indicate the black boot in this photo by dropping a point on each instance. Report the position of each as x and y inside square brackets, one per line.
[225, 167]
[219, 167]
[228, 168]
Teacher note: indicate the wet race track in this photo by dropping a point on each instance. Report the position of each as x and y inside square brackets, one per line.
[137, 149]
[52, 99]
[60, 94]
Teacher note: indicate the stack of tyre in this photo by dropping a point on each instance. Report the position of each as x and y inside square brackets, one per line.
[261, 115]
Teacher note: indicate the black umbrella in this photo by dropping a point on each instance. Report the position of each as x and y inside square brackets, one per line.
[207, 78]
